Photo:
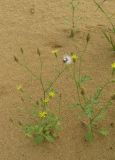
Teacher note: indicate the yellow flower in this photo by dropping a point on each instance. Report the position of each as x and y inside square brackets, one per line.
[74, 57]
[19, 88]
[113, 65]
[43, 114]
[46, 100]
[55, 52]
[51, 94]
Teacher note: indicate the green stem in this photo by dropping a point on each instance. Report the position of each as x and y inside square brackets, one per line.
[109, 19]
[77, 87]
[102, 88]
[91, 126]
[41, 81]
[29, 70]
[55, 79]
[107, 105]
[73, 15]
[60, 99]
[79, 71]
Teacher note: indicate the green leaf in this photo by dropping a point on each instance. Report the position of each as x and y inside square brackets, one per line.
[101, 114]
[66, 20]
[58, 128]
[74, 105]
[39, 139]
[95, 99]
[38, 129]
[89, 136]
[84, 79]
[50, 138]
[104, 132]
[29, 130]
[98, 92]
[89, 111]
[113, 81]
[34, 113]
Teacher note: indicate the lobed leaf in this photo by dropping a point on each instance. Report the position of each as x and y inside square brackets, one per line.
[104, 132]
[50, 138]
[83, 79]
[39, 139]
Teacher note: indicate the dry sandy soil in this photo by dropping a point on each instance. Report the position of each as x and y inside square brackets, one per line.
[40, 23]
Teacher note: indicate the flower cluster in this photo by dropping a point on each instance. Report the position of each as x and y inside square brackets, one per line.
[43, 114]
[67, 59]
[51, 94]
[19, 88]
[45, 101]
[55, 52]
[113, 66]
[74, 57]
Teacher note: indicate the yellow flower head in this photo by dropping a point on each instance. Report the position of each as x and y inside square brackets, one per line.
[55, 52]
[43, 114]
[19, 88]
[113, 66]
[51, 94]
[46, 100]
[74, 57]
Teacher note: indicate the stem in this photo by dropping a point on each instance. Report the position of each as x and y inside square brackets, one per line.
[107, 105]
[26, 67]
[73, 15]
[91, 126]
[80, 60]
[73, 19]
[80, 63]
[55, 79]
[102, 88]
[41, 80]
[109, 19]
[77, 88]
[60, 98]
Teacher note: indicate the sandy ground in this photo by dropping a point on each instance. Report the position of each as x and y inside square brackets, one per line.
[34, 23]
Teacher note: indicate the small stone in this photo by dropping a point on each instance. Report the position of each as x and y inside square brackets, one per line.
[112, 124]
[113, 97]
[32, 10]
[82, 91]
[111, 148]
[22, 99]
[20, 123]
[11, 120]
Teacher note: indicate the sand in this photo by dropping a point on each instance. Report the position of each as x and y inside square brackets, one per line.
[33, 23]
